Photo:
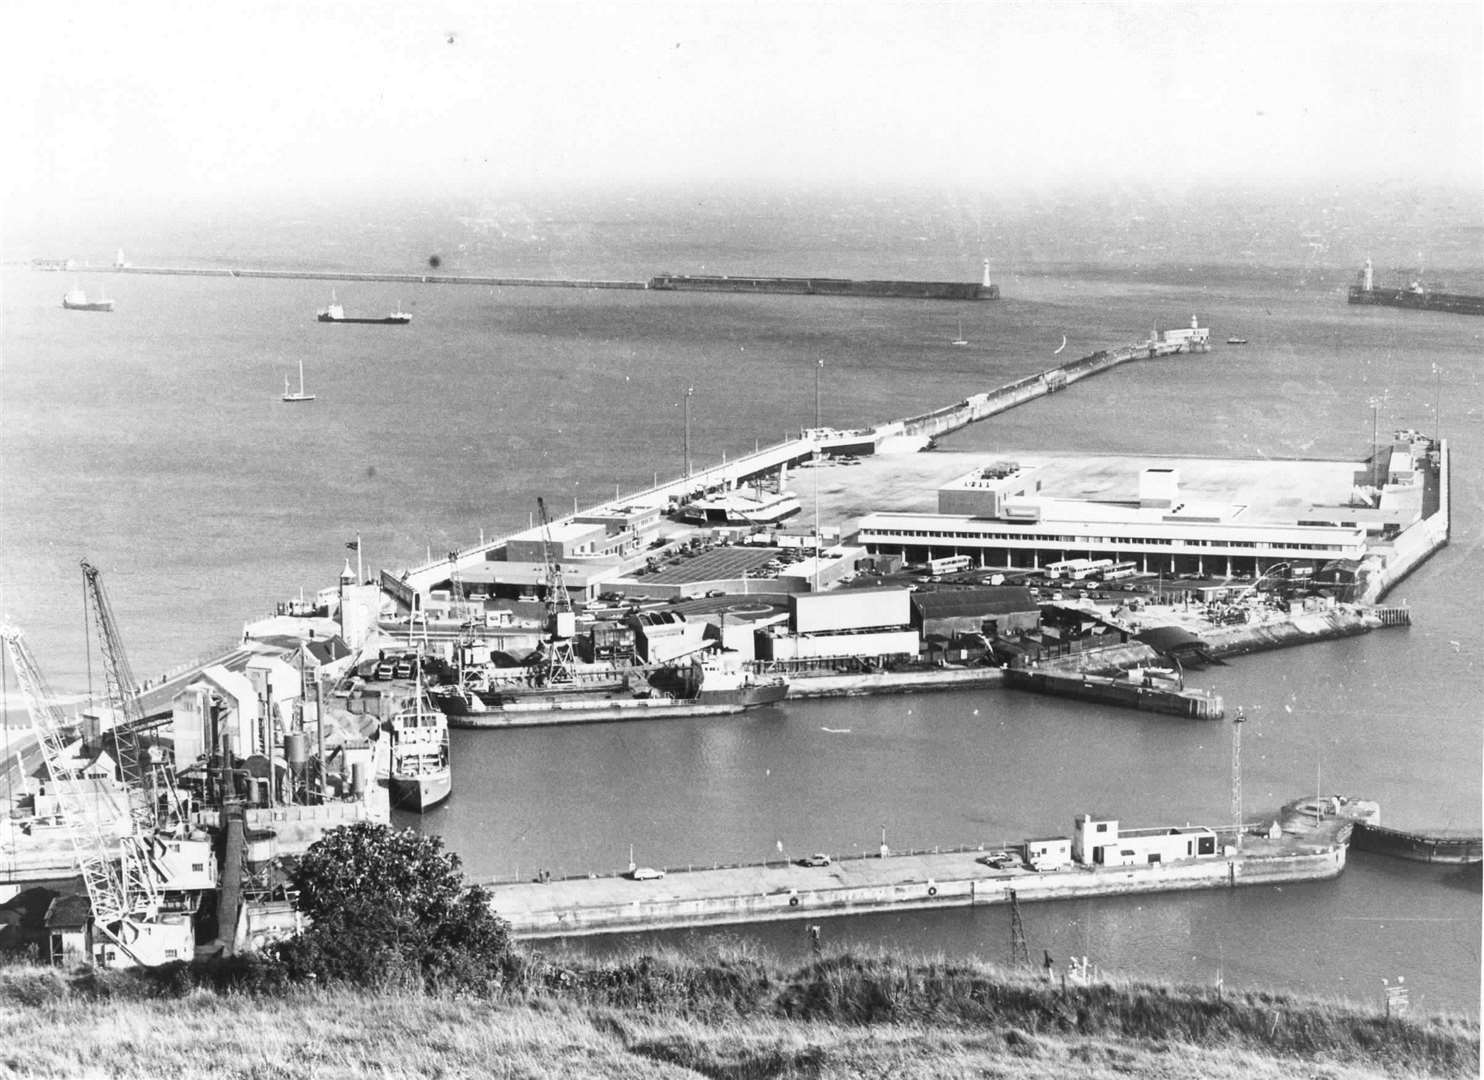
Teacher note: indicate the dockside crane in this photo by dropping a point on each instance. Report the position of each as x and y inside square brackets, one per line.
[120, 874]
[456, 586]
[123, 699]
[560, 662]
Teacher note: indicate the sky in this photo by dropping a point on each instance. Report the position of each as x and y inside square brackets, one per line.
[153, 100]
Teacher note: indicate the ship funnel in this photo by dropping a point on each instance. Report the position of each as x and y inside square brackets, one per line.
[986, 273]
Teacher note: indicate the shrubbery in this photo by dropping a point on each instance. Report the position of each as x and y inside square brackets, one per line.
[391, 908]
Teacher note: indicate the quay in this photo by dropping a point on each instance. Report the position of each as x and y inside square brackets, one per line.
[1306, 841]
[917, 432]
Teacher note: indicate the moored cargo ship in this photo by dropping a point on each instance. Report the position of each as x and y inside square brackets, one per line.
[420, 775]
[1413, 295]
[715, 686]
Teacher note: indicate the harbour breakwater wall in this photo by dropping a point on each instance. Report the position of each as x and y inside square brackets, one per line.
[897, 882]
[820, 286]
[410, 279]
[1422, 300]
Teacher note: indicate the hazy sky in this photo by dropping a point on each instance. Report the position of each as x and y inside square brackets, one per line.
[130, 100]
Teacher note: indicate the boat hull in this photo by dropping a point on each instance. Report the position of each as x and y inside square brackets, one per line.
[88, 305]
[389, 320]
[420, 792]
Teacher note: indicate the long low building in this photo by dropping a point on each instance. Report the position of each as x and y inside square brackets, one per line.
[999, 516]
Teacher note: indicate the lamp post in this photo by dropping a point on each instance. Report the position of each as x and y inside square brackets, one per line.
[689, 390]
[1437, 400]
[818, 371]
[1375, 451]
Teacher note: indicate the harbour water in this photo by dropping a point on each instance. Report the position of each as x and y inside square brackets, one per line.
[153, 441]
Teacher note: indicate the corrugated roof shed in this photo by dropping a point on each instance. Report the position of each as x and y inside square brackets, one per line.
[989, 600]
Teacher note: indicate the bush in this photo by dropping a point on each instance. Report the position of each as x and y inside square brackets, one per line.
[391, 908]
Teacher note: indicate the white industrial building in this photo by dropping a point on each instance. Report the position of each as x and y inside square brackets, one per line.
[1096, 841]
[874, 623]
[998, 516]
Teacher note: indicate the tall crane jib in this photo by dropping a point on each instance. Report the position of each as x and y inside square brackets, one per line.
[120, 873]
[123, 700]
[559, 661]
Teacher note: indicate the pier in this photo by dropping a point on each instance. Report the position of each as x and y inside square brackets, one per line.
[1294, 846]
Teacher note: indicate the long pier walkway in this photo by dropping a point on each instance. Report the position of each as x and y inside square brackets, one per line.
[769, 459]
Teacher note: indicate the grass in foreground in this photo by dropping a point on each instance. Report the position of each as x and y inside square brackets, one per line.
[727, 1015]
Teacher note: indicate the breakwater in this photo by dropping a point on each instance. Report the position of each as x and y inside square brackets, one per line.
[1418, 846]
[1418, 299]
[410, 279]
[823, 286]
[1292, 848]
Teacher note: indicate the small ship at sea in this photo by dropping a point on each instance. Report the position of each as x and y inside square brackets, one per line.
[1414, 295]
[335, 313]
[77, 300]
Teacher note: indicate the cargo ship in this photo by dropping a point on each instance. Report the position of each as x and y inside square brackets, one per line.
[420, 776]
[827, 286]
[1414, 295]
[714, 686]
[77, 300]
[335, 313]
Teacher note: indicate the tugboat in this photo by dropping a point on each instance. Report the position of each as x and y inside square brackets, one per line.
[420, 776]
[335, 313]
[77, 300]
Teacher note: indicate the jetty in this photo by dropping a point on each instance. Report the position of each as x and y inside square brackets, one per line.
[1306, 841]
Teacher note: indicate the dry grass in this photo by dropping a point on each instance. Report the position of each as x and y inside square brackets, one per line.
[722, 1016]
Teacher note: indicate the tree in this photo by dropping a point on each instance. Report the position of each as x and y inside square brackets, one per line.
[389, 907]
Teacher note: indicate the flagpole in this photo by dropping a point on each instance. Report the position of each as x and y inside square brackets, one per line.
[360, 574]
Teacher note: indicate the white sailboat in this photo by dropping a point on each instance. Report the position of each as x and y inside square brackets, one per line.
[289, 395]
[960, 340]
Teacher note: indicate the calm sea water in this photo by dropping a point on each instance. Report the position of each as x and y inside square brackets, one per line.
[152, 440]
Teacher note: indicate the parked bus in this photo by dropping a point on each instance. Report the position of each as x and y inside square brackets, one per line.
[1065, 569]
[1121, 570]
[1093, 568]
[949, 564]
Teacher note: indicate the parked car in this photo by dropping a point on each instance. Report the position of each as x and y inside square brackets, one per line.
[644, 873]
[1000, 860]
[819, 858]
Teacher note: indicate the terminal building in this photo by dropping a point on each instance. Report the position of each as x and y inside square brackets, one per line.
[999, 516]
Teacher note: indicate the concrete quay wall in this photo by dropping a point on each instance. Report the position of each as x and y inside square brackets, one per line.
[917, 883]
[1300, 629]
[1416, 544]
[891, 682]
